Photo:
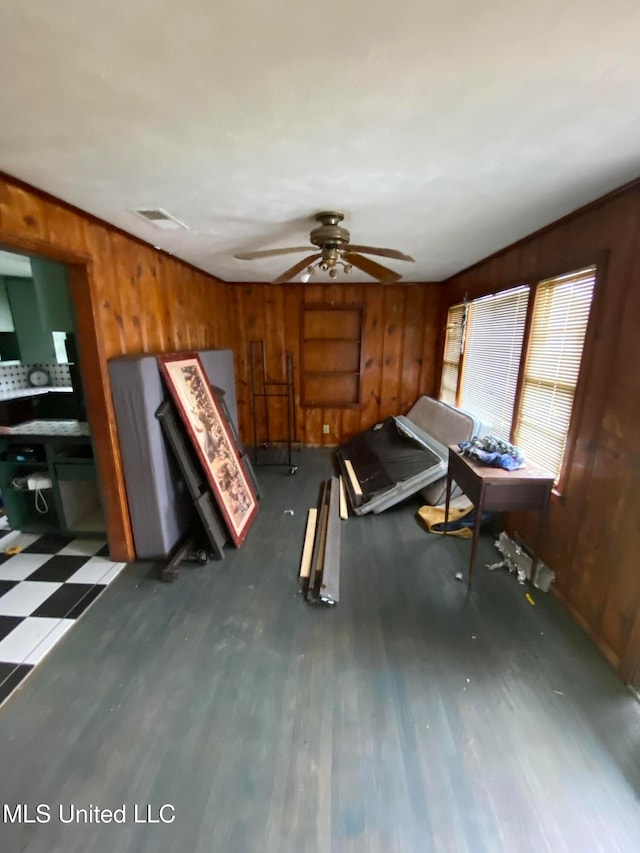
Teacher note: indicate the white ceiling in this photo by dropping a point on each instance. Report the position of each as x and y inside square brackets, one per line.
[443, 128]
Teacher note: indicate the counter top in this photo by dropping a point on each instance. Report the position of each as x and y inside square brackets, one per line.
[55, 429]
[17, 393]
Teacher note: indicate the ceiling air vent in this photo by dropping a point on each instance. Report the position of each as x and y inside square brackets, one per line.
[160, 218]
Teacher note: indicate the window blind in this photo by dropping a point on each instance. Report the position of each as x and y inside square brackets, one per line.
[492, 351]
[560, 317]
[452, 349]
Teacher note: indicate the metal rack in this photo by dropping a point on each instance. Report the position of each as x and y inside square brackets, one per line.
[199, 491]
[268, 450]
[204, 500]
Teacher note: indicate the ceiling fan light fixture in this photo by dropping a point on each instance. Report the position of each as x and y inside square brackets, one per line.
[306, 275]
[335, 251]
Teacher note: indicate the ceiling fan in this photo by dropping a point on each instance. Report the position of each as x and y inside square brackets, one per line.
[336, 251]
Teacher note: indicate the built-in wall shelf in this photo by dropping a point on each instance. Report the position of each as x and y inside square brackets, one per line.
[332, 356]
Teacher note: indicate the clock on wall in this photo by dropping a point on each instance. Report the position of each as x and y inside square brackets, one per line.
[39, 377]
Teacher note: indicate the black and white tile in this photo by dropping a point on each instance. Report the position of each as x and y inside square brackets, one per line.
[46, 584]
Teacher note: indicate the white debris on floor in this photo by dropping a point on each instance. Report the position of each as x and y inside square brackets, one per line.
[518, 562]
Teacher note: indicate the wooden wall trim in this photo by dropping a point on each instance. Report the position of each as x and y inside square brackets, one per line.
[97, 392]
[630, 664]
[43, 248]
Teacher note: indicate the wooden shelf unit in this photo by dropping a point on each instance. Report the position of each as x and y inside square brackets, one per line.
[332, 356]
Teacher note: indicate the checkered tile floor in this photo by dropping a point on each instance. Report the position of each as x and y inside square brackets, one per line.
[43, 590]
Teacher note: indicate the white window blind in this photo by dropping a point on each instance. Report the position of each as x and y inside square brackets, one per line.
[560, 317]
[492, 351]
[452, 348]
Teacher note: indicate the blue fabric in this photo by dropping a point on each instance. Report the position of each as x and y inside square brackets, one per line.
[493, 451]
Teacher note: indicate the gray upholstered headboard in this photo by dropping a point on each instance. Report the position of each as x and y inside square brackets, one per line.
[447, 425]
[160, 508]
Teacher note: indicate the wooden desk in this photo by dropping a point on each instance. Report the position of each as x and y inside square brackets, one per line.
[497, 490]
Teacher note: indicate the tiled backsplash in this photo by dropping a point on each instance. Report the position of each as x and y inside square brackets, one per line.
[14, 376]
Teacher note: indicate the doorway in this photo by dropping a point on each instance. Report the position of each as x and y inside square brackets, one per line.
[42, 404]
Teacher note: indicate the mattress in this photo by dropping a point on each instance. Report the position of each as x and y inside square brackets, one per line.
[160, 507]
[446, 425]
[403, 455]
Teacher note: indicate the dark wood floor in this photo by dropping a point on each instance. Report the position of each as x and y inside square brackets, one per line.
[409, 718]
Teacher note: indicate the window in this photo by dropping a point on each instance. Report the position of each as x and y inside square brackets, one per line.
[558, 329]
[483, 357]
[492, 349]
[452, 350]
[491, 344]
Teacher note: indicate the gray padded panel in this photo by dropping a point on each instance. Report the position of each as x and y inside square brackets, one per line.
[218, 365]
[446, 425]
[160, 508]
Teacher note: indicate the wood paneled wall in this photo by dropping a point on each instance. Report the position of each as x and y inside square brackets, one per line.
[129, 299]
[593, 540]
[399, 351]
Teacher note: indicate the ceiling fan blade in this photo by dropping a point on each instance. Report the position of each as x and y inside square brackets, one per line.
[296, 268]
[383, 274]
[385, 253]
[269, 253]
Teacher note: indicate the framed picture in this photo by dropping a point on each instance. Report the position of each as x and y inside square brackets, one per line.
[212, 439]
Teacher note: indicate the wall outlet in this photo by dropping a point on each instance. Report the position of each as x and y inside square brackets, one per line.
[325, 429]
[38, 480]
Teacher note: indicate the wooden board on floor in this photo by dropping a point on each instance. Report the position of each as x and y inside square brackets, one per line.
[355, 484]
[344, 508]
[330, 585]
[307, 548]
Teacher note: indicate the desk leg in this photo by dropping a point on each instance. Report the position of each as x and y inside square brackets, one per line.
[448, 499]
[476, 531]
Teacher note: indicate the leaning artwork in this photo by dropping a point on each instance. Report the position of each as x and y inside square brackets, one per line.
[212, 439]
